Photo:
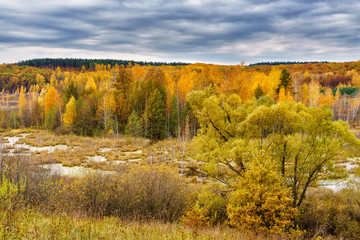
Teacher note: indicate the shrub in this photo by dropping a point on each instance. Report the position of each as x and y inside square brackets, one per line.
[260, 202]
[154, 192]
[142, 192]
[196, 217]
[8, 193]
[208, 209]
[329, 213]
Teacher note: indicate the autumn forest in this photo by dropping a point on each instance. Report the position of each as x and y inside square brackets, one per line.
[199, 150]
[91, 101]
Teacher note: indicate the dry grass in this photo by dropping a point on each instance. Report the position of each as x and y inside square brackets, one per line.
[60, 226]
[117, 151]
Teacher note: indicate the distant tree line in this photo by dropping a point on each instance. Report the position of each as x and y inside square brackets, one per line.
[284, 63]
[78, 63]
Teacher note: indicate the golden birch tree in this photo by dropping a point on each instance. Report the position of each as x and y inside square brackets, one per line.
[70, 112]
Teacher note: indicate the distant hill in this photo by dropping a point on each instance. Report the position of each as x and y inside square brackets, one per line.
[77, 63]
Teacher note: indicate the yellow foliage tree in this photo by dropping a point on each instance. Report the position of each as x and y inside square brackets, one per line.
[355, 80]
[327, 98]
[185, 84]
[40, 79]
[272, 81]
[289, 97]
[138, 72]
[51, 99]
[90, 85]
[107, 107]
[41, 100]
[22, 102]
[231, 75]
[314, 93]
[70, 112]
[307, 76]
[245, 85]
[58, 72]
[282, 95]
[304, 94]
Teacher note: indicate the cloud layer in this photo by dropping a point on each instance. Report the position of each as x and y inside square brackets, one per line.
[225, 32]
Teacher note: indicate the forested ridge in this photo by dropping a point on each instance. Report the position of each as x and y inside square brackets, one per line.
[78, 63]
[284, 63]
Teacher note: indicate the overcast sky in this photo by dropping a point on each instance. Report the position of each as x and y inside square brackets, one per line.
[220, 32]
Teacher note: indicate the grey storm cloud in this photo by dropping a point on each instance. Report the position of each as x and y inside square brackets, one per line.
[189, 30]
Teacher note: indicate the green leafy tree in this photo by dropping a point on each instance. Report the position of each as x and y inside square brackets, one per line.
[301, 140]
[133, 126]
[71, 90]
[155, 114]
[85, 121]
[3, 118]
[123, 83]
[173, 117]
[51, 119]
[14, 119]
[285, 81]
[258, 92]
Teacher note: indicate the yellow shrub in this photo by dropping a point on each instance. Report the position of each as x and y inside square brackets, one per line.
[260, 202]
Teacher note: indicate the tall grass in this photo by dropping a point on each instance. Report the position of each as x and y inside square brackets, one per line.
[30, 224]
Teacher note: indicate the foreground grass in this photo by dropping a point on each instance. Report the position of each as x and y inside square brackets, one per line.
[28, 224]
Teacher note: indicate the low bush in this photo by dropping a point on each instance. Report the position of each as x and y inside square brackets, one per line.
[141, 192]
[209, 209]
[328, 213]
